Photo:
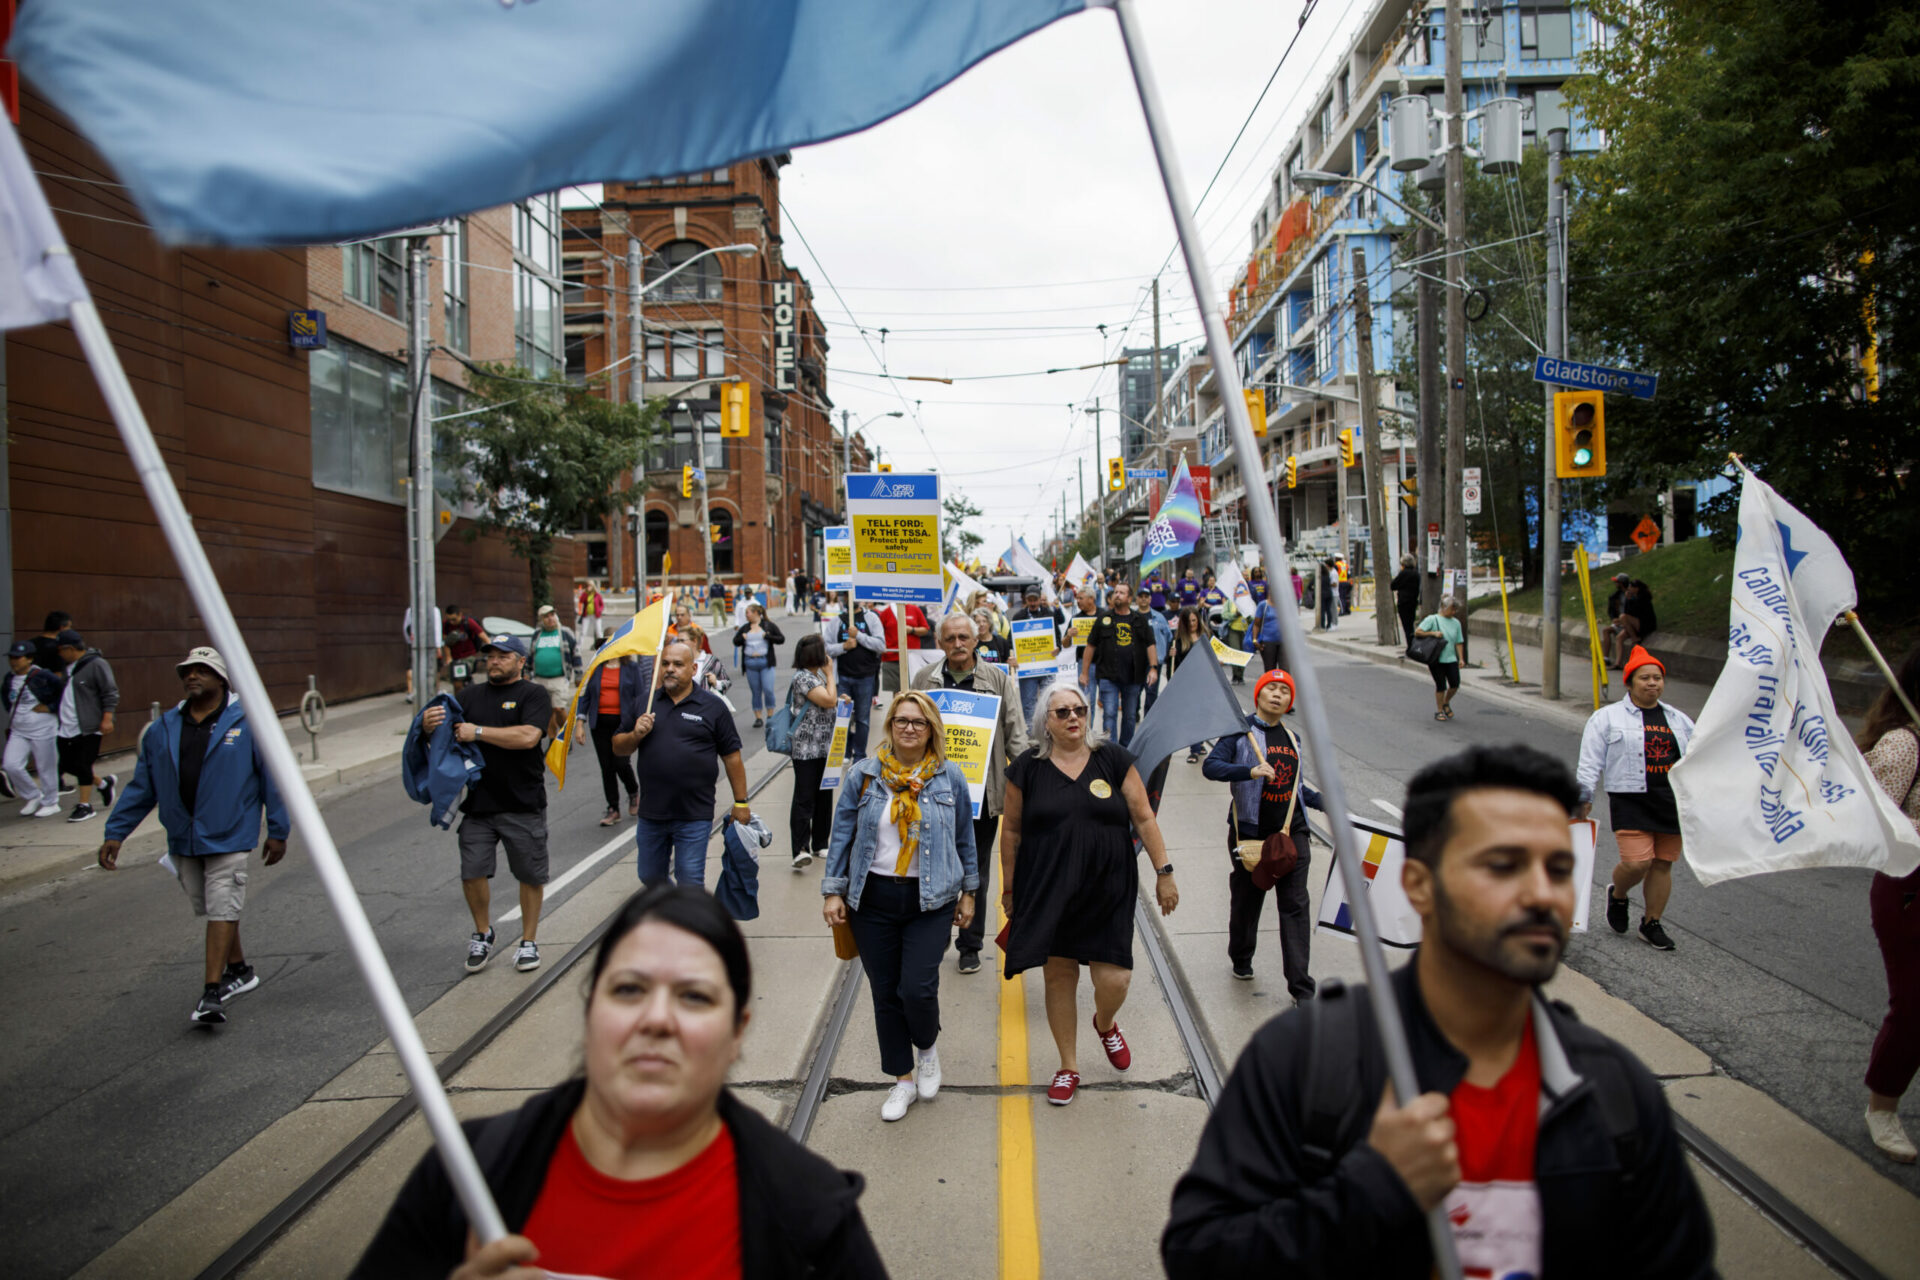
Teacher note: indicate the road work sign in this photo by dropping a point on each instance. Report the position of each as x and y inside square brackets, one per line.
[895, 522]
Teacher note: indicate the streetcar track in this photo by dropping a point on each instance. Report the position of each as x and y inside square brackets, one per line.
[276, 1220]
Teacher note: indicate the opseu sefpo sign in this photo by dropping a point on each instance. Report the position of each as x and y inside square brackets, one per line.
[895, 522]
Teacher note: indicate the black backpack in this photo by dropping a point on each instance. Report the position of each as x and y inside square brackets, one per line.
[1334, 1115]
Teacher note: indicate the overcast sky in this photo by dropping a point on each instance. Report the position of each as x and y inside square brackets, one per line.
[991, 228]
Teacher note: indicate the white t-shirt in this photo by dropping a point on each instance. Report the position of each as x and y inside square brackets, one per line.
[406, 628]
[887, 851]
[69, 717]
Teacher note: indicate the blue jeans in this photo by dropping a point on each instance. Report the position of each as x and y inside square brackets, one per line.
[1120, 702]
[684, 842]
[1030, 696]
[762, 687]
[861, 689]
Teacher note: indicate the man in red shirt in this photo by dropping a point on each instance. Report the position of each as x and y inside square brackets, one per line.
[1550, 1146]
[917, 630]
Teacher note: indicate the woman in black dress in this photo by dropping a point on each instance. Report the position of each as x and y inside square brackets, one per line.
[1073, 805]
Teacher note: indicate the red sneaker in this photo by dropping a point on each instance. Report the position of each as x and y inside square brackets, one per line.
[1115, 1044]
[1060, 1092]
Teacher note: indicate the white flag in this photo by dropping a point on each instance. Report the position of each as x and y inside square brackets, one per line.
[960, 588]
[39, 280]
[1234, 586]
[1024, 562]
[1771, 780]
[1080, 573]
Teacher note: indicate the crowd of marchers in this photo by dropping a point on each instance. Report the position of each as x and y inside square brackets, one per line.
[1534, 1134]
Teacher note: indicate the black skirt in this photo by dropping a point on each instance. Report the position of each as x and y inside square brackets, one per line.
[1075, 879]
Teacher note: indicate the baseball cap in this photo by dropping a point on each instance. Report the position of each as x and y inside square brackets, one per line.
[1621, 577]
[544, 610]
[204, 656]
[21, 649]
[69, 637]
[507, 644]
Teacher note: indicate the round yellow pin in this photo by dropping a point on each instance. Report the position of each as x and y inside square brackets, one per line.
[1100, 788]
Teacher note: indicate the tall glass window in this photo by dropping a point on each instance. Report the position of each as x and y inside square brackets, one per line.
[1483, 35]
[698, 283]
[1546, 33]
[536, 284]
[453, 285]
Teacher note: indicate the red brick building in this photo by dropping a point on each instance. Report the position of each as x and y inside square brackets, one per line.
[726, 318]
[292, 463]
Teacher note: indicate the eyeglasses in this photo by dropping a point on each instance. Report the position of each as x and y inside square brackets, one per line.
[907, 722]
[1069, 713]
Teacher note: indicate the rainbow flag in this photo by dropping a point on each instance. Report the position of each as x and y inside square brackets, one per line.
[1176, 528]
[641, 637]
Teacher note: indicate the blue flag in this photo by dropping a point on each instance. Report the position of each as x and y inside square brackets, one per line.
[300, 124]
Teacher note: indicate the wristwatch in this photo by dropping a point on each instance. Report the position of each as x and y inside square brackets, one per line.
[1166, 870]
[479, 731]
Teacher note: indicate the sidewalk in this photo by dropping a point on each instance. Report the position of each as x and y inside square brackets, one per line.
[359, 740]
[1355, 636]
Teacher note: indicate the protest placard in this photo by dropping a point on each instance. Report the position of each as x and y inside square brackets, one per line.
[1082, 627]
[837, 746]
[1033, 642]
[895, 523]
[970, 719]
[1232, 657]
[838, 541]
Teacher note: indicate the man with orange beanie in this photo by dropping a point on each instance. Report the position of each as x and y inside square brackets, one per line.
[1631, 748]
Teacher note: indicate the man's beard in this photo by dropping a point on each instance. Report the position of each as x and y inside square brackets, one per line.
[1496, 953]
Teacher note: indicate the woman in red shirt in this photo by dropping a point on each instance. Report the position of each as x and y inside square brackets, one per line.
[647, 1166]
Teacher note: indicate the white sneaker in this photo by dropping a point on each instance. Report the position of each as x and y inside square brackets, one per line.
[899, 1098]
[926, 1076]
[802, 859]
[1884, 1128]
[33, 807]
[51, 809]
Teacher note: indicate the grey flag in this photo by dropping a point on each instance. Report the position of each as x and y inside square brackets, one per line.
[1195, 705]
[39, 280]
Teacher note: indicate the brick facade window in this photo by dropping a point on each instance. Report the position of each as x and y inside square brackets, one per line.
[374, 272]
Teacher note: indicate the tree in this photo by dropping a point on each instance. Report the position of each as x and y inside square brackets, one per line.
[957, 542]
[546, 458]
[1749, 234]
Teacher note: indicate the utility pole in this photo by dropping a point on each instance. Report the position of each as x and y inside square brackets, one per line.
[1430, 486]
[1383, 617]
[1456, 157]
[420, 503]
[706, 511]
[1100, 481]
[637, 392]
[1550, 480]
[616, 537]
[846, 456]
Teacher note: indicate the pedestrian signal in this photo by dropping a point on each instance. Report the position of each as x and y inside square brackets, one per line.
[886, 466]
[1257, 410]
[1579, 435]
[713, 533]
[686, 480]
[736, 409]
[1116, 474]
[1410, 492]
[1293, 471]
[1346, 447]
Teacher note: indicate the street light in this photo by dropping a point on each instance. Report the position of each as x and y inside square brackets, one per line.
[1318, 178]
[846, 442]
[637, 385]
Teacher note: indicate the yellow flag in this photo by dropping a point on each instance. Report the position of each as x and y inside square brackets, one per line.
[640, 638]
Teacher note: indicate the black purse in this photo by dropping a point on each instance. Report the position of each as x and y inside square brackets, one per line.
[1426, 649]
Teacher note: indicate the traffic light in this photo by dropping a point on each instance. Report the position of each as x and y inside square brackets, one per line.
[1410, 492]
[1579, 434]
[736, 409]
[713, 533]
[886, 466]
[1346, 447]
[1257, 410]
[686, 480]
[1293, 471]
[1116, 474]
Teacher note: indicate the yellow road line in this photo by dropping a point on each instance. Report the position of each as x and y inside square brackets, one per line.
[1019, 1210]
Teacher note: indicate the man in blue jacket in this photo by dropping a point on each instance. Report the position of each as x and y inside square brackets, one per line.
[200, 766]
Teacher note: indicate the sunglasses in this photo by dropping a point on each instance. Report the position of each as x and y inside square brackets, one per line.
[1069, 713]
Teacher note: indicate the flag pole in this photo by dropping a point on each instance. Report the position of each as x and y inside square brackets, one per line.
[1266, 525]
[462, 1170]
[1853, 620]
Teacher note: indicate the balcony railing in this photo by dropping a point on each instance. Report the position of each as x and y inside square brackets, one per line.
[1266, 269]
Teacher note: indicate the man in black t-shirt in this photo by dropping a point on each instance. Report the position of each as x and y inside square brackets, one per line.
[1122, 654]
[506, 717]
[1629, 750]
[678, 748]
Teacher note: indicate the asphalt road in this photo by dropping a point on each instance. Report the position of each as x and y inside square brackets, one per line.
[116, 1104]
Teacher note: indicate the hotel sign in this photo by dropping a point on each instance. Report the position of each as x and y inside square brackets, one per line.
[783, 348]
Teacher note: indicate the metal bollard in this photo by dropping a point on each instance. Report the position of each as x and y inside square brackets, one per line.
[313, 714]
[153, 714]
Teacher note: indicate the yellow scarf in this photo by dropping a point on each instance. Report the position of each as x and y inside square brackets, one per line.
[905, 782]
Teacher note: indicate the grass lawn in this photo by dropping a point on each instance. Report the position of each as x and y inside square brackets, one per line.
[1691, 588]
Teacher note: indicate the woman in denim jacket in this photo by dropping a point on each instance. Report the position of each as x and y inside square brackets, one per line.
[901, 873]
